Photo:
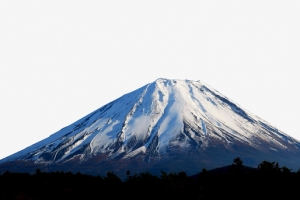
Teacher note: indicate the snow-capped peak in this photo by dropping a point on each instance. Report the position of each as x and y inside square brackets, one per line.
[155, 119]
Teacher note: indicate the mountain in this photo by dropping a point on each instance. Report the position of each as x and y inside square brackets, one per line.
[169, 125]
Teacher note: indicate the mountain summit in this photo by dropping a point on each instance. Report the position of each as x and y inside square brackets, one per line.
[168, 125]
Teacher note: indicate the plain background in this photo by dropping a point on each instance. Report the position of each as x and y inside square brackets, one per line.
[62, 59]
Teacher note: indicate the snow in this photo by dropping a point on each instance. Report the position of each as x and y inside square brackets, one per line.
[160, 109]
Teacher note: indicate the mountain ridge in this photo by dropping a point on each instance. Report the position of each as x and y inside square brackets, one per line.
[160, 121]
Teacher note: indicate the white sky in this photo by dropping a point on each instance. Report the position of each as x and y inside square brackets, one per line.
[60, 60]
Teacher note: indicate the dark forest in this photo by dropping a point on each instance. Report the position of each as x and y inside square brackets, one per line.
[236, 181]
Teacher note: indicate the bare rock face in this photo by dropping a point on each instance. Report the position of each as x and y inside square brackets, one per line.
[169, 125]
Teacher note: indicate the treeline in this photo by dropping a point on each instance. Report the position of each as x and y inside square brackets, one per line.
[236, 181]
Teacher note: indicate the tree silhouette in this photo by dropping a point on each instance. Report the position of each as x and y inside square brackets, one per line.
[269, 167]
[238, 162]
[236, 166]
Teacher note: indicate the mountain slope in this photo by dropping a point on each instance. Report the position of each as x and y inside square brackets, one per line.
[167, 124]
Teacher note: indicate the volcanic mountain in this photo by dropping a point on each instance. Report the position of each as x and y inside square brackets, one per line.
[169, 125]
